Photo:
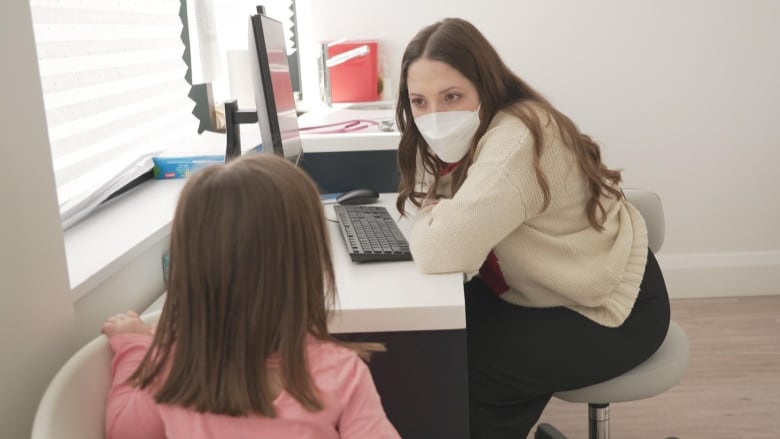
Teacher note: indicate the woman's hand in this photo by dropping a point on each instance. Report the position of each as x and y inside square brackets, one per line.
[429, 202]
[125, 323]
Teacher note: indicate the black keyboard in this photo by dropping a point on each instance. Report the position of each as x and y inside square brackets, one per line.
[371, 234]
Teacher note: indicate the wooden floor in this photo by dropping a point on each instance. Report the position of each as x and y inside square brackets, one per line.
[730, 391]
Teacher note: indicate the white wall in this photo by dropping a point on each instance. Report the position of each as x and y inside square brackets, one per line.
[40, 325]
[682, 94]
[35, 314]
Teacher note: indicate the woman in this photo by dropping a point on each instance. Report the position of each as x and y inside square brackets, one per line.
[562, 291]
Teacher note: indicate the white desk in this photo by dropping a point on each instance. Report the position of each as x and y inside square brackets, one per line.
[392, 296]
[368, 139]
[388, 296]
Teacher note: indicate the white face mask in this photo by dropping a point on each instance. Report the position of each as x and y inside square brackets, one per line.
[449, 133]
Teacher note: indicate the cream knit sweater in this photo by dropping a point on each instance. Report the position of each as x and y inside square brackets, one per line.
[552, 258]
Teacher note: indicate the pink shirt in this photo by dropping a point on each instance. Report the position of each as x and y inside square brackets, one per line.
[352, 405]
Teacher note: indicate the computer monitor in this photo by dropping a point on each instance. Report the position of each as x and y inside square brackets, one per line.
[275, 111]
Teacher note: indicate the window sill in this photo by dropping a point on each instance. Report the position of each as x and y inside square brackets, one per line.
[125, 227]
[120, 230]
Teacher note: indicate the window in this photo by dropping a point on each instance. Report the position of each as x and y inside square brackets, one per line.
[115, 93]
[117, 81]
[218, 39]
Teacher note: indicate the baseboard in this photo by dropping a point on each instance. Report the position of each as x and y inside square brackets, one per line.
[722, 274]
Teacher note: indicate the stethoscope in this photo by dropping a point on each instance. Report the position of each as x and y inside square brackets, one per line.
[349, 126]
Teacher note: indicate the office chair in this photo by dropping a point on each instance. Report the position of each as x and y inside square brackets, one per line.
[74, 404]
[656, 374]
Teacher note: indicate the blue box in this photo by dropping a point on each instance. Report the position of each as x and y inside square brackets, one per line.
[183, 166]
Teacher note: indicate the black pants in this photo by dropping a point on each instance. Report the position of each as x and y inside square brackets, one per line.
[518, 357]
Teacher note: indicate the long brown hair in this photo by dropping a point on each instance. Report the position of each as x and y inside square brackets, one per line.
[458, 43]
[251, 276]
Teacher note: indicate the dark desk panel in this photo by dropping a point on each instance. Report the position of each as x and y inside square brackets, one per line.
[422, 380]
[337, 172]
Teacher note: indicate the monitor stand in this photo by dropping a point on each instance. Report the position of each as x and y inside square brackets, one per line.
[233, 119]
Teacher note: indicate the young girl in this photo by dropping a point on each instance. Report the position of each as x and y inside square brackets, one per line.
[242, 348]
[564, 292]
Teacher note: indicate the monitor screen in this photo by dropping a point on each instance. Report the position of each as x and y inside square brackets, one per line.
[272, 83]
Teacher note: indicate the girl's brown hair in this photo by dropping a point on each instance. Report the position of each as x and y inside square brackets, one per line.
[458, 43]
[250, 276]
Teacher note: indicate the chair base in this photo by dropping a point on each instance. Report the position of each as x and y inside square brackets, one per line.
[598, 425]
[547, 431]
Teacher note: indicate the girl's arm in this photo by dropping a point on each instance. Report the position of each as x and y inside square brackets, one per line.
[130, 413]
[363, 415]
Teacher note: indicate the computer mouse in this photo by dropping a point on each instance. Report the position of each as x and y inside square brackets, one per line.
[358, 196]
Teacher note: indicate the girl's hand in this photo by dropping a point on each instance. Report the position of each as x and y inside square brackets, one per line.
[125, 323]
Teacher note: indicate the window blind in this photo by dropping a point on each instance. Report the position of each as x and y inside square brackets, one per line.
[115, 92]
[222, 26]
